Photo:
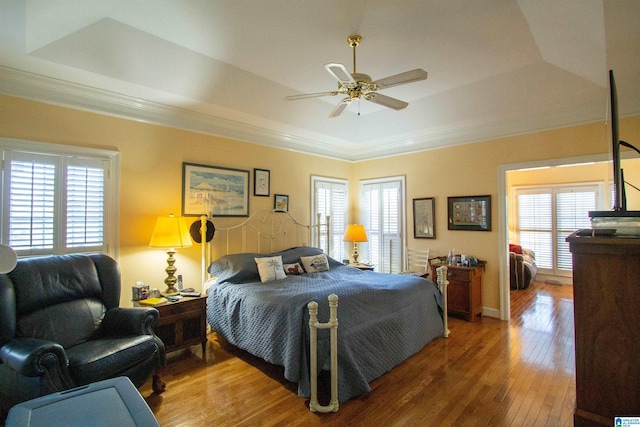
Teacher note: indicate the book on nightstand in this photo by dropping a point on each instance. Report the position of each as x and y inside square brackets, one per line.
[190, 294]
[152, 301]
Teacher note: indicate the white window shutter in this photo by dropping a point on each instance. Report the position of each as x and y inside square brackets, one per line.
[31, 200]
[85, 209]
[547, 215]
[55, 203]
[382, 217]
[330, 198]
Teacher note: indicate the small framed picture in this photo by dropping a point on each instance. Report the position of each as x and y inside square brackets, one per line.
[281, 202]
[424, 218]
[261, 182]
[472, 213]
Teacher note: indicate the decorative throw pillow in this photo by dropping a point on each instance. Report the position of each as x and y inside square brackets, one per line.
[294, 268]
[315, 263]
[270, 268]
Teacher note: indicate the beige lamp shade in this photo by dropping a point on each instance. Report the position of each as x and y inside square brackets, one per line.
[355, 233]
[170, 232]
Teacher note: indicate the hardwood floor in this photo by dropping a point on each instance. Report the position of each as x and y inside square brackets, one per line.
[488, 373]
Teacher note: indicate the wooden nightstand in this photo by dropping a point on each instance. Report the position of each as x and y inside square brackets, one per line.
[464, 292]
[183, 323]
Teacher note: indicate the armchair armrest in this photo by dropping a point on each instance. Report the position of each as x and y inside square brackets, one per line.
[516, 267]
[120, 321]
[33, 357]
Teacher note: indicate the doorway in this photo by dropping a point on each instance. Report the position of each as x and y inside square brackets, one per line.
[504, 220]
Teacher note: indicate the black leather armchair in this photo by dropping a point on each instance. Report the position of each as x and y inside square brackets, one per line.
[61, 327]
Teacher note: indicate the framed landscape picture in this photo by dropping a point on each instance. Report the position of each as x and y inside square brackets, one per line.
[424, 218]
[471, 213]
[214, 190]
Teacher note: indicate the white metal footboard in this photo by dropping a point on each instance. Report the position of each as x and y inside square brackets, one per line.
[314, 325]
[442, 284]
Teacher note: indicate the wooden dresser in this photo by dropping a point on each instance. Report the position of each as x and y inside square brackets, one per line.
[606, 289]
[464, 293]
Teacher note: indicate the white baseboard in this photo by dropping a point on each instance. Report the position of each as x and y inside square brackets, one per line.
[490, 312]
[559, 280]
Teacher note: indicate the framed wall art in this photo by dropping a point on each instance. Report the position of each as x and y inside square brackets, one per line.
[471, 213]
[214, 190]
[281, 202]
[261, 184]
[424, 218]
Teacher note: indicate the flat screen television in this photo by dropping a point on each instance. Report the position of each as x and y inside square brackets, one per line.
[620, 200]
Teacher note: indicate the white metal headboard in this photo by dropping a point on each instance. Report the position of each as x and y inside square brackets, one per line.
[265, 231]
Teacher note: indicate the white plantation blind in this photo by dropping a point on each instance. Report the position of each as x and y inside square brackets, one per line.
[85, 204]
[535, 226]
[382, 216]
[31, 201]
[330, 198]
[55, 203]
[547, 215]
[572, 213]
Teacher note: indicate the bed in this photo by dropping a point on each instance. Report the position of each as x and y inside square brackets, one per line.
[383, 318]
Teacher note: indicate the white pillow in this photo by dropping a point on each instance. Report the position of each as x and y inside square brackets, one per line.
[315, 263]
[270, 268]
[294, 268]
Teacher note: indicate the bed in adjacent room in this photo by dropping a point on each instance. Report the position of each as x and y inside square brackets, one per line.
[258, 302]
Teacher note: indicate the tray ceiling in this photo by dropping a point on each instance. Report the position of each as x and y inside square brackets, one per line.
[496, 67]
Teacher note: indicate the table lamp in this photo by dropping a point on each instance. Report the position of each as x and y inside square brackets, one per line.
[8, 259]
[355, 233]
[170, 233]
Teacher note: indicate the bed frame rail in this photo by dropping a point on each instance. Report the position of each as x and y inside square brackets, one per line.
[314, 325]
[442, 282]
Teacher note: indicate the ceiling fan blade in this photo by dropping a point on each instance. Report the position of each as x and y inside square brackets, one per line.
[310, 95]
[340, 107]
[387, 101]
[402, 78]
[340, 73]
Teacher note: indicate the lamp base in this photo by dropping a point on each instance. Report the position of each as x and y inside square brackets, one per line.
[171, 279]
[170, 292]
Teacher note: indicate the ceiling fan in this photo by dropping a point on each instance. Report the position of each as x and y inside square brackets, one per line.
[358, 86]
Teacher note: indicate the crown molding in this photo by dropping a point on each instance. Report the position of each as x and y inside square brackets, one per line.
[45, 89]
[48, 90]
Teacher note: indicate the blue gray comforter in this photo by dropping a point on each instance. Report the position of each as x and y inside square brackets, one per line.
[383, 319]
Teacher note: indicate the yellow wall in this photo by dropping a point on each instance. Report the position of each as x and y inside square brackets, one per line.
[151, 176]
[472, 169]
[151, 159]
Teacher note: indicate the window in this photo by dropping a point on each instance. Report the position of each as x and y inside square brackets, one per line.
[57, 199]
[330, 198]
[547, 215]
[382, 215]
